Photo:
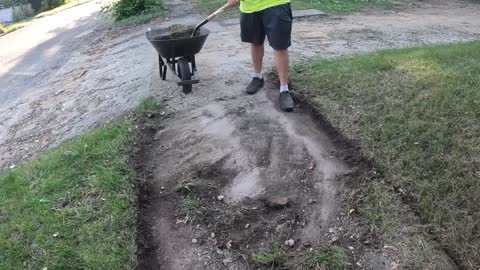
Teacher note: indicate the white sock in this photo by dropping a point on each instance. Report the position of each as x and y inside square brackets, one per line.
[258, 75]
[283, 88]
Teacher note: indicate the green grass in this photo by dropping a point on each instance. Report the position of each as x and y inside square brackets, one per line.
[332, 258]
[16, 26]
[148, 105]
[340, 6]
[276, 257]
[191, 209]
[72, 208]
[330, 6]
[416, 113]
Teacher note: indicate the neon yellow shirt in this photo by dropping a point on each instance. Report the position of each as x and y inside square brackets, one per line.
[250, 6]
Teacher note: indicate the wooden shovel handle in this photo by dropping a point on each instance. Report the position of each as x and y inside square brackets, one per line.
[220, 10]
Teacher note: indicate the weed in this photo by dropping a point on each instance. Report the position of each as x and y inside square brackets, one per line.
[190, 209]
[276, 257]
[333, 258]
[148, 105]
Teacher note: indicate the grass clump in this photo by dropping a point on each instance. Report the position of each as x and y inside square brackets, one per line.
[72, 208]
[148, 105]
[416, 113]
[332, 258]
[191, 210]
[276, 257]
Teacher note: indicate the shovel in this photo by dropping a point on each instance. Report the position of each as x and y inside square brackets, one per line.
[209, 18]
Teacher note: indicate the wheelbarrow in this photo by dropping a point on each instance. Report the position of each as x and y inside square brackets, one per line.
[179, 53]
[177, 50]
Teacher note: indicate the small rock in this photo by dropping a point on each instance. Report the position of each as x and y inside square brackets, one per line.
[59, 91]
[334, 239]
[229, 244]
[162, 113]
[290, 242]
[390, 247]
[394, 266]
[247, 226]
[162, 188]
[227, 260]
[312, 201]
[359, 264]
[212, 235]
[56, 234]
[194, 241]
[12, 167]
[331, 230]
[351, 248]
[367, 242]
[149, 115]
[220, 198]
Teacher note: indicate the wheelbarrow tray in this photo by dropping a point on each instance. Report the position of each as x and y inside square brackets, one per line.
[168, 46]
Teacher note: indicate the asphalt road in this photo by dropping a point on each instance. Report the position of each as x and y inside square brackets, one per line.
[29, 54]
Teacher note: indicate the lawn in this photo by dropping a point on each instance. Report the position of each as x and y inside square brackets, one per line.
[330, 6]
[416, 113]
[73, 208]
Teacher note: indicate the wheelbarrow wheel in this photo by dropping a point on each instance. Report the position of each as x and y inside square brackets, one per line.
[185, 74]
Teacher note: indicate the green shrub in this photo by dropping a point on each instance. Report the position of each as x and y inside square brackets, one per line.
[54, 3]
[22, 12]
[127, 8]
[36, 5]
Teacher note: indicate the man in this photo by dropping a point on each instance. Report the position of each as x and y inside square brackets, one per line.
[273, 19]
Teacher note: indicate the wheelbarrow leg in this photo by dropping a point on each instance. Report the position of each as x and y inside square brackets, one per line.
[194, 64]
[162, 68]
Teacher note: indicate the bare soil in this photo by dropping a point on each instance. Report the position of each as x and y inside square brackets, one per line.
[281, 177]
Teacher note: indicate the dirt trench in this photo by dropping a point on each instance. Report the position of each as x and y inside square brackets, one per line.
[257, 176]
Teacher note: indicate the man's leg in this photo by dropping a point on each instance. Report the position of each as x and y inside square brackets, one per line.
[278, 27]
[257, 57]
[281, 62]
[252, 31]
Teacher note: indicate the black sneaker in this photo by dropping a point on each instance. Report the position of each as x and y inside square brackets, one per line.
[254, 86]
[286, 101]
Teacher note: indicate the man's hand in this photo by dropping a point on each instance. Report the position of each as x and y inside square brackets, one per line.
[234, 2]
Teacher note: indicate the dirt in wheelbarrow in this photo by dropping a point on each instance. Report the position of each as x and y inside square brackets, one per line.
[239, 185]
[178, 32]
